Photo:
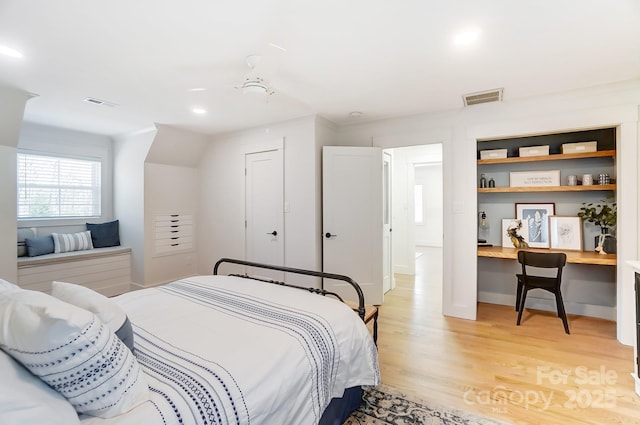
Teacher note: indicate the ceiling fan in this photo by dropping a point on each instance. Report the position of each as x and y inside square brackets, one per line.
[263, 72]
[255, 82]
[263, 68]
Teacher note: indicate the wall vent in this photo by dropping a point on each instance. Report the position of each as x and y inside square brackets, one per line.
[482, 97]
[99, 102]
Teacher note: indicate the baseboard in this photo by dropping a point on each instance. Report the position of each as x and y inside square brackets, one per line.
[429, 244]
[402, 269]
[590, 310]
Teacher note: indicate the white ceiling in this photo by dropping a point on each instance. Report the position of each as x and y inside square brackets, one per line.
[381, 57]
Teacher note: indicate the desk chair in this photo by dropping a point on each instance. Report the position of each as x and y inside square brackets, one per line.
[546, 260]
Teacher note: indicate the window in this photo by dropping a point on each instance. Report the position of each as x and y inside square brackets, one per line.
[58, 187]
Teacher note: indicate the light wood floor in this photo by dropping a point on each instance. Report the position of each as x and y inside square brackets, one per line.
[531, 374]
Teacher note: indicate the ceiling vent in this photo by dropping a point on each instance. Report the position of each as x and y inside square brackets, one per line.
[100, 102]
[482, 97]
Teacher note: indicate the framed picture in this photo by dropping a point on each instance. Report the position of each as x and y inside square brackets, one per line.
[515, 233]
[565, 232]
[537, 216]
[534, 178]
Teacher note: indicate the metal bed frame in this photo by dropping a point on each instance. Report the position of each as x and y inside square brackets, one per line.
[360, 309]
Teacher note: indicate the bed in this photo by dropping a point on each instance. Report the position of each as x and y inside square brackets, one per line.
[232, 349]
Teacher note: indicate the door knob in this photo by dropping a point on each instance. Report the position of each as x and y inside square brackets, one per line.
[274, 233]
[328, 235]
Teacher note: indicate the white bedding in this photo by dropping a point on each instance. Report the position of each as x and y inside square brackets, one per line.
[228, 350]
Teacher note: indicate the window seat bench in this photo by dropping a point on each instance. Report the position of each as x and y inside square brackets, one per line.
[105, 270]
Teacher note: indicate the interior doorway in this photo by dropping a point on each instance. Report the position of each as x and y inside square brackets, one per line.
[417, 216]
[264, 217]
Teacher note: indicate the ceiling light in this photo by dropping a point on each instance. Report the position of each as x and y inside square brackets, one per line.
[199, 111]
[355, 114]
[7, 51]
[197, 89]
[256, 85]
[466, 37]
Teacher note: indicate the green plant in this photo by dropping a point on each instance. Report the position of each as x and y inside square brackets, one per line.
[603, 213]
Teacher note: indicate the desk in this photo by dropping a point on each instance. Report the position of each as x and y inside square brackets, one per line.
[574, 257]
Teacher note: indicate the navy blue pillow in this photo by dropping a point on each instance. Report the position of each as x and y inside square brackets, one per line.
[39, 246]
[104, 234]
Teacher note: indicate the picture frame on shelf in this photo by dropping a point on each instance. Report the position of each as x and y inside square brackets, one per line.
[537, 216]
[565, 232]
[515, 233]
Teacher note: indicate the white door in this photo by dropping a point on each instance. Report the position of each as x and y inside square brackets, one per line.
[387, 265]
[264, 201]
[352, 219]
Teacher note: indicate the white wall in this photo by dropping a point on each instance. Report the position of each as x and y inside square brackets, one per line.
[8, 208]
[606, 106]
[176, 146]
[222, 203]
[12, 106]
[130, 152]
[429, 232]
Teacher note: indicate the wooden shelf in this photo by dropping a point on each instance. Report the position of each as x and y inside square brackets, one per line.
[555, 157]
[593, 187]
[574, 257]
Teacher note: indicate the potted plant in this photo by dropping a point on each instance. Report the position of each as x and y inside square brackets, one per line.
[602, 214]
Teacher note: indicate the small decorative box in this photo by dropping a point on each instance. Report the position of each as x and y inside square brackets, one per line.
[535, 150]
[493, 154]
[580, 147]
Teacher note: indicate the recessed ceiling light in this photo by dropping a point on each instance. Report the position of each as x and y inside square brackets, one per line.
[8, 51]
[199, 111]
[466, 37]
[355, 114]
[197, 89]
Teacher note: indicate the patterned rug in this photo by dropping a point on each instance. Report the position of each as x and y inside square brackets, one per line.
[385, 405]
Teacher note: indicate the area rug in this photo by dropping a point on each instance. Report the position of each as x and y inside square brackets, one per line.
[385, 405]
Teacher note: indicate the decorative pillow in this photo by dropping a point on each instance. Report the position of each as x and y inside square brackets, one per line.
[8, 287]
[109, 313]
[66, 242]
[105, 234]
[23, 233]
[39, 246]
[26, 400]
[70, 349]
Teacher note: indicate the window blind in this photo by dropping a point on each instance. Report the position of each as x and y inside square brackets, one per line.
[51, 187]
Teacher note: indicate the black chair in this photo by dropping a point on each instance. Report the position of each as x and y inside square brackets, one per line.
[526, 281]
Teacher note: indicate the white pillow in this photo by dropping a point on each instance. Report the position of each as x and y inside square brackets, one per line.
[26, 400]
[70, 349]
[66, 242]
[107, 311]
[8, 286]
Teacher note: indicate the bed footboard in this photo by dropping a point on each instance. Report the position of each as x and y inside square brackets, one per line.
[356, 287]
